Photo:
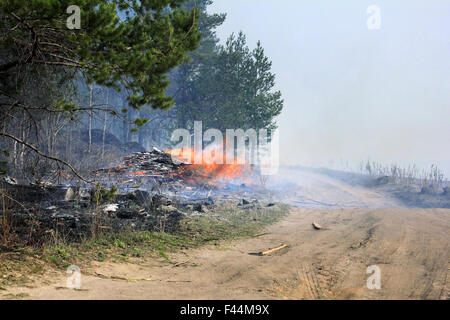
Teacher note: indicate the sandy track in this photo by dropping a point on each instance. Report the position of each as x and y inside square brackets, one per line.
[411, 247]
[362, 228]
[305, 189]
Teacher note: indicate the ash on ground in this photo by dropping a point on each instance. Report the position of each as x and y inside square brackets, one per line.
[145, 191]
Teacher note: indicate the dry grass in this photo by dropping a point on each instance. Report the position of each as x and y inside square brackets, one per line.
[429, 178]
[226, 223]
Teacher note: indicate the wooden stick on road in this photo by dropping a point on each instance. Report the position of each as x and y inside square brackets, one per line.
[265, 253]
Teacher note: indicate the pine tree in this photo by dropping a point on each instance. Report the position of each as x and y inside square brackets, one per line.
[127, 45]
[182, 78]
[232, 89]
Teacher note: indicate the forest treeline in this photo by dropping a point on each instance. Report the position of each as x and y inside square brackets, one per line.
[135, 70]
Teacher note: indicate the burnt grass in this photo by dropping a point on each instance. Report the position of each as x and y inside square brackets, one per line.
[50, 226]
[55, 249]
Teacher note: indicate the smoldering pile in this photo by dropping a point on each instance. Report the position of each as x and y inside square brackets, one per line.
[151, 192]
[153, 163]
[148, 169]
[157, 171]
[74, 211]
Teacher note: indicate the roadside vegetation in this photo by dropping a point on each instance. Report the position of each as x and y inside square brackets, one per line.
[431, 178]
[227, 223]
[414, 187]
[77, 100]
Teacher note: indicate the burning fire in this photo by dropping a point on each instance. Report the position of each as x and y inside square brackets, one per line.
[139, 173]
[211, 173]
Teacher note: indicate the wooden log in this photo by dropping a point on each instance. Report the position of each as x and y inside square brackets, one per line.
[267, 252]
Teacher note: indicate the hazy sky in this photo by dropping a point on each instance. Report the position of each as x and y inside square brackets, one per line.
[352, 93]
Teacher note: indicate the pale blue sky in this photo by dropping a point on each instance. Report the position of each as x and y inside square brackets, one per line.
[352, 93]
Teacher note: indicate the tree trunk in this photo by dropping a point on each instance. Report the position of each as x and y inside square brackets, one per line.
[68, 144]
[22, 149]
[141, 133]
[104, 125]
[91, 89]
[15, 155]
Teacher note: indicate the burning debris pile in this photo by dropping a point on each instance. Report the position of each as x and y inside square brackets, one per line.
[156, 166]
[161, 172]
[154, 163]
[73, 212]
[146, 191]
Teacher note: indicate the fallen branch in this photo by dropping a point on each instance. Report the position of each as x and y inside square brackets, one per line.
[265, 253]
[181, 263]
[3, 194]
[261, 234]
[30, 146]
[119, 278]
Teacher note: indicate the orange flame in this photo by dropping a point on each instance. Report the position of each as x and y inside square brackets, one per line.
[214, 174]
[139, 173]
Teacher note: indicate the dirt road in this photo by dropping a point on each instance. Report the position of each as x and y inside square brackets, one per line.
[410, 246]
